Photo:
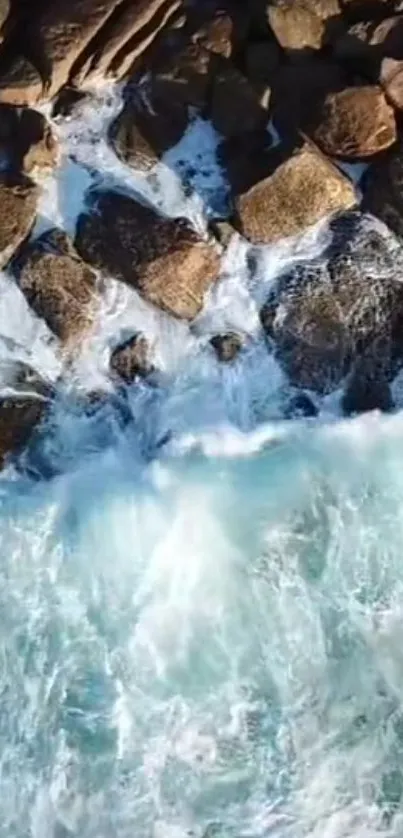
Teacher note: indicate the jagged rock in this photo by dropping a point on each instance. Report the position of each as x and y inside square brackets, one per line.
[132, 29]
[324, 316]
[246, 159]
[26, 138]
[302, 191]
[18, 202]
[298, 90]
[132, 359]
[22, 411]
[164, 259]
[185, 75]
[383, 189]
[355, 123]
[58, 285]
[20, 82]
[235, 106]
[226, 346]
[303, 24]
[143, 130]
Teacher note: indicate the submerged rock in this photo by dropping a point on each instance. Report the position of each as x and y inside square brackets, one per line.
[58, 285]
[226, 346]
[302, 191]
[132, 358]
[163, 258]
[323, 316]
[355, 123]
[18, 202]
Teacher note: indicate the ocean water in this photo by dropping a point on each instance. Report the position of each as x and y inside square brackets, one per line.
[201, 613]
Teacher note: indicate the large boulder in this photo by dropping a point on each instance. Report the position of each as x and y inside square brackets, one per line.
[146, 128]
[302, 191]
[383, 189]
[355, 123]
[27, 139]
[301, 25]
[18, 203]
[163, 258]
[324, 318]
[58, 286]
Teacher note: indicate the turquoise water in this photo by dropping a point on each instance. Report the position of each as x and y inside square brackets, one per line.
[207, 645]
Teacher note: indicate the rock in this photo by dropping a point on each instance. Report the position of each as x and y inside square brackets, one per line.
[222, 231]
[144, 130]
[302, 191]
[20, 82]
[262, 61]
[219, 33]
[130, 31]
[323, 317]
[298, 91]
[246, 159]
[184, 75]
[67, 101]
[26, 138]
[164, 259]
[301, 25]
[366, 390]
[235, 105]
[226, 346]
[58, 286]
[383, 189]
[131, 359]
[22, 411]
[377, 51]
[300, 406]
[355, 123]
[18, 202]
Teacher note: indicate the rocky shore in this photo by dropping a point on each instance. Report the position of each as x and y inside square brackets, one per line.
[300, 92]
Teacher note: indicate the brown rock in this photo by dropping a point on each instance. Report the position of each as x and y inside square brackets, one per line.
[144, 130]
[20, 82]
[235, 105]
[164, 259]
[355, 123]
[226, 346]
[132, 29]
[217, 34]
[18, 201]
[26, 138]
[23, 411]
[302, 191]
[302, 24]
[185, 75]
[58, 285]
[131, 359]
[222, 231]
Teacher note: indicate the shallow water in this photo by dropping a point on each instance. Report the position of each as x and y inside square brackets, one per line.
[201, 610]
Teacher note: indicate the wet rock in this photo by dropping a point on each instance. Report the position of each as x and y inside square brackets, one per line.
[355, 123]
[377, 52]
[18, 202]
[246, 159]
[302, 191]
[302, 24]
[20, 82]
[383, 189]
[58, 286]
[67, 101]
[132, 359]
[222, 231]
[236, 108]
[323, 317]
[22, 410]
[185, 74]
[26, 138]
[298, 91]
[144, 130]
[219, 33]
[366, 391]
[164, 259]
[124, 38]
[300, 406]
[226, 346]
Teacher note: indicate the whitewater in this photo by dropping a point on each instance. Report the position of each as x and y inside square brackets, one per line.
[201, 612]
